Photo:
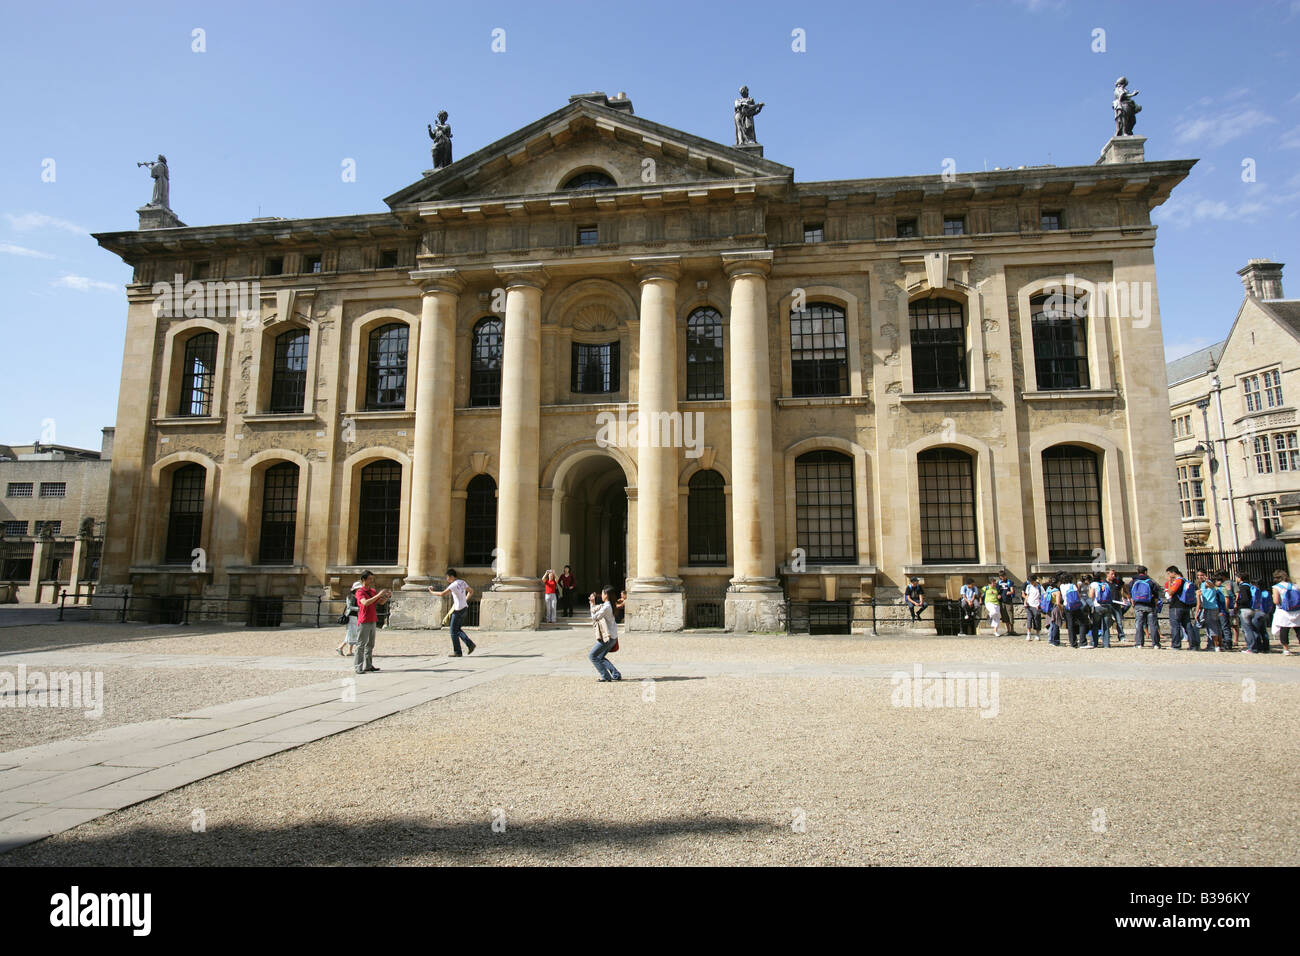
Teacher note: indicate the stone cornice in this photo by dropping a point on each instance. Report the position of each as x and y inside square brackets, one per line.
[650, 268]
[432, 281]
[747, 262]
[531, 274]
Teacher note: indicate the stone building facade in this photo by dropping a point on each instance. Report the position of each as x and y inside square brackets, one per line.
[1235, 431]
[846, 382]
[52, 518]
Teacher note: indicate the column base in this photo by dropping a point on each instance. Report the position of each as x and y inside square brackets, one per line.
[654, 610]
[510, 610]
[755, 606]
[412, 610]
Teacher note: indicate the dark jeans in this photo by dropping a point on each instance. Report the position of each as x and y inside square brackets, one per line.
[1180, 624]
[457, 632]
[566, 602]
[1103, 617]
[1076, 622]
[1146, 620]
[916, 610]
[970, 616]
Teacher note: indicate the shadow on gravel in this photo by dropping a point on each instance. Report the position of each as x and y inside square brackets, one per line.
[382, 842]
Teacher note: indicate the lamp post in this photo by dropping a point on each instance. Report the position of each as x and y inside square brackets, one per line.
[1211, 464]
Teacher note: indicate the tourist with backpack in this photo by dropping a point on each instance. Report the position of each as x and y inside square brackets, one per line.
[914, 597]
[1006, 598]
[993, 605]
[1209, 606]
[1245, 594]
[1286, 613]
[1229, 615]
[1103, 611]
[970, 606]
[1033, 613]
[1181, 595]
[1121, 600]
[1051, 606]
[1263, 608]
[1144, 594]
[1075, 613]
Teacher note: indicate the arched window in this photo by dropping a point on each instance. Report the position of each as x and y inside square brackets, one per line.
[939, 362]
[289, 375]
[825, 516]
[1060, 341]
[704, 355]
[589, 179]
[946, 481]
[199, 375]
[486, 348]
[386, 382]
[1072, 498]
[706, 519]
[185, 514]
[379, 513]
[480, 520]
[819, 351]
[279, 513]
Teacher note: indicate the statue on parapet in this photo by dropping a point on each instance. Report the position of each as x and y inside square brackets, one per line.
[441, 136]
[161, 182]
[746, 109]
[1125, 107]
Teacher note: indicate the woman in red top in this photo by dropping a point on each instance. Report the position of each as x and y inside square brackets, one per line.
[552, 589]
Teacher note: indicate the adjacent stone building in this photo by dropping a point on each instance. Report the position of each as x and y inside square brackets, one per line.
[1235, 431]
[838, 384]
[52, 518]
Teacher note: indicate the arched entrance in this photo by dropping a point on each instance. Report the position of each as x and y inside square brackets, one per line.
[590, 522]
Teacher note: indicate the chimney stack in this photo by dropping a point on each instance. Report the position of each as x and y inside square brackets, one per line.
[1262, 278]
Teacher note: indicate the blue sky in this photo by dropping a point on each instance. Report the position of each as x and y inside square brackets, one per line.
[261, 123]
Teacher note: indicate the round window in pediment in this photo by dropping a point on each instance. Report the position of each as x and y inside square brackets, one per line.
[589, 179]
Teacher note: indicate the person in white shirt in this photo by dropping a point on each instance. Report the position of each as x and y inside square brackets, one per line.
[1283, 620]
[602, 618]
[1033, 609]
[460, 594]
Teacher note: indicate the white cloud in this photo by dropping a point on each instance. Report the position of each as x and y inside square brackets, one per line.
[1221, 128]
[83, 284]
[1193, 207]
[1291, 139]
[38, 220]
[8, 248]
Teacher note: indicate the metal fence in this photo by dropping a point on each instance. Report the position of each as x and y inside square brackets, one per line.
[1257, 564]
[861, 615]
[706, 605]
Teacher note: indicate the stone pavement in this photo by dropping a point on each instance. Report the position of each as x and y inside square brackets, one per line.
[52, 787]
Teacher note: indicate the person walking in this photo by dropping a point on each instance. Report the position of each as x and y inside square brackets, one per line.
[1142, 591]
[914, 596]
[1006, 599]
[1181, 595]
[551, 592]
[1286, 613]
[993, 605]
[349, 645]
[602, 619]
[1209, 607]
[969, 602]
[1033, 595]
[568, 584]
[460, 594]
[368, 601]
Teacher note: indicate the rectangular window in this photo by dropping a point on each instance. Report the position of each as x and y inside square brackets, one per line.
[1049, 221]
[824, 509]
[279, 514]
[54, 489]
[199, 270]
[1072, 488]
[15, 529]
[814, 232]
[1273, 388]
[938, 346]
[588, 236]
[311, 262]
[819, 354]
[1250, 387]
[1287, 450]
[274, 266]
[946, 482]
[1263, 460]
[19, 489]
[388, 258]
[1191, 495]
[594, 369]
[1270, 520]
[906, 229]
[954, 226]
[47, 527]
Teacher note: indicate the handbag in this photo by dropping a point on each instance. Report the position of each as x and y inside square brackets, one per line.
[614, 648]
[343, 618]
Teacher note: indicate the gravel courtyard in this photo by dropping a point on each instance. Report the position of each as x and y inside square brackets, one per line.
[725, 750]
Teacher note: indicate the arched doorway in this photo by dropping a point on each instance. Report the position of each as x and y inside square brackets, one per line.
[591, 523]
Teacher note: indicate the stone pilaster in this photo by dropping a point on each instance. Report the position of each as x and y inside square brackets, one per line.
[515, 602]
[754, 601]
[655, 600]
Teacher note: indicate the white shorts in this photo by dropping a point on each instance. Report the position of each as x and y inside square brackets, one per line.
[995, 612]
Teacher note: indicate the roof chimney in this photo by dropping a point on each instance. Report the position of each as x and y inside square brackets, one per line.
[1262, 278]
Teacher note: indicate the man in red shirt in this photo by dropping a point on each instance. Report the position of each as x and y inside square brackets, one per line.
[368, 601]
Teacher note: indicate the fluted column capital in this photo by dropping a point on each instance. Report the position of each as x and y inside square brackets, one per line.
[432, 281]
[748, 262]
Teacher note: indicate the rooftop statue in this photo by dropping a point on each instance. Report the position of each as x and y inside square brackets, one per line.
[441, 136]
[1126, 108]
[746, 110]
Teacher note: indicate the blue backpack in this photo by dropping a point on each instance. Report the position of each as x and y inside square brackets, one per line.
[1070, 597]
[1263, 600]
[1210, 597]
[1103, 592]
[1290, 596]
[1187, 593]
[1140, 591]
[1045, 600]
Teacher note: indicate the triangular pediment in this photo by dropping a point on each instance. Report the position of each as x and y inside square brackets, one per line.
[584, 135]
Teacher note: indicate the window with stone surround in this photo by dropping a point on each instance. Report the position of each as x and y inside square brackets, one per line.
[1051, 221]
[954, 225]
[19, 489]
[594, 368]
[273, 266]
[279, 513]
[946, 482]
[1273, 388]
[379, 513]
[704, 369]
[1060, 342]
[15, 529]
[311, 262]
[824, 510]
[814, 232]
[185, 514]
[54, 489]
[905, 229]
[819, 351]
[1072, 493]
[1287, 451]
[198, 375]
[1263, 456]
[40, 528]
[487, 346]
[588, 236]
[706, 520]
[589, 179]
[1191, 491]
[938, 331]
[388, 258]
[1270, 522]
[480, 520]
[386, 378]
[1250, 389]
[289, 373]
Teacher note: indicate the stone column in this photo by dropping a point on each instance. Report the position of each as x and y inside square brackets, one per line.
[755, 601]
[655, 601]
[515, 602]
[429, 524]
